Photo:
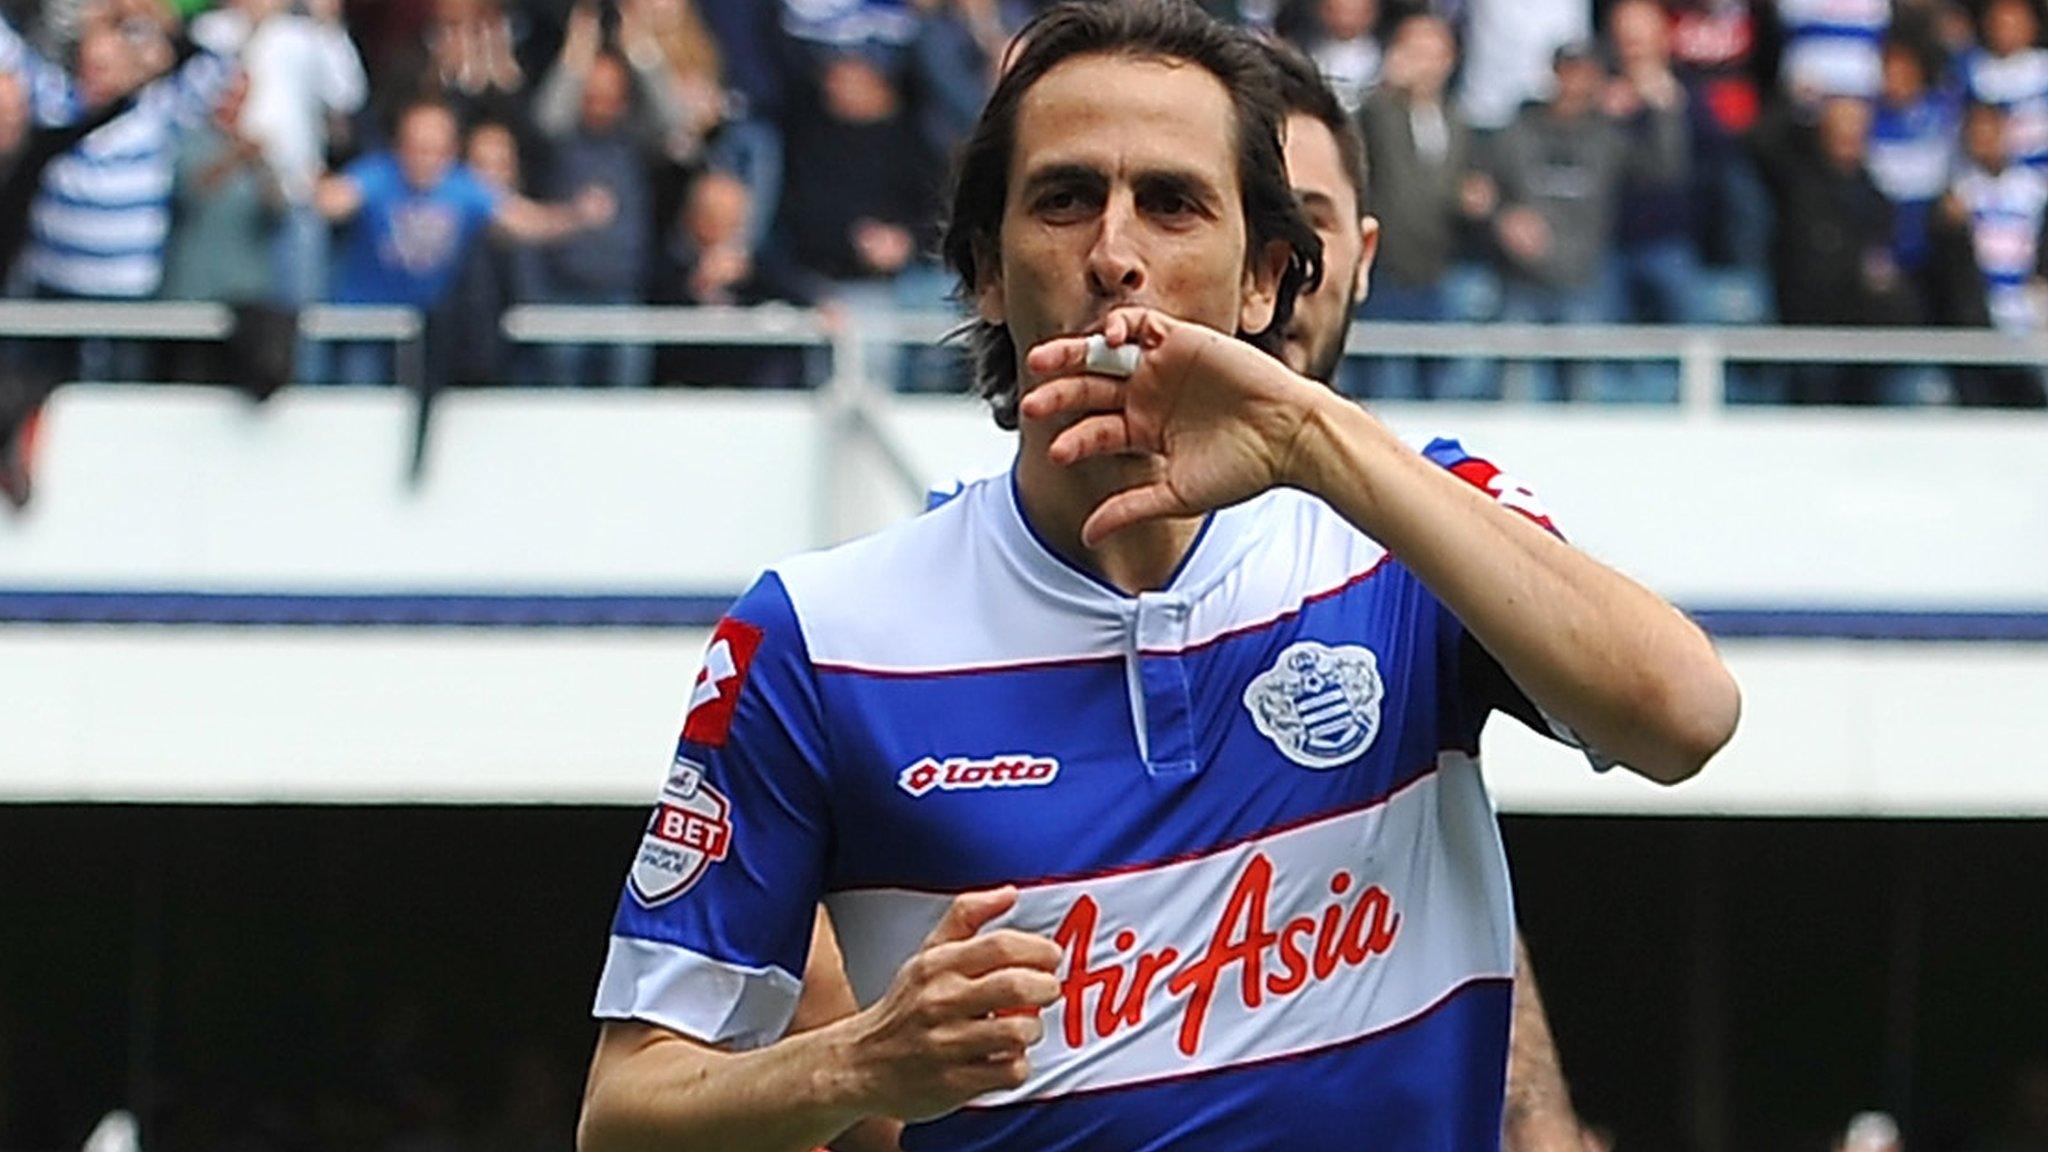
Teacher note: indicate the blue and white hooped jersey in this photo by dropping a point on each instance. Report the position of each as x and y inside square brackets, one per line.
[2007, 214]
[1247, 807]
[2019, 84]
[1834, 47]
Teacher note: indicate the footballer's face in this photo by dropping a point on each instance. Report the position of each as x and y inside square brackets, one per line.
[1316, 331]
[1124, 190]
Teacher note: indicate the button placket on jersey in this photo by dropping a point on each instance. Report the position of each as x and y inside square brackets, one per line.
[1162, 694]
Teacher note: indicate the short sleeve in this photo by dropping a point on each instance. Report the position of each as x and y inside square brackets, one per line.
[375, 176]
[715, 921]
[1478, 684]
[479, 202]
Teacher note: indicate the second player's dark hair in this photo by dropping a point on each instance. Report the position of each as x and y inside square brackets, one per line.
[1303, 90]
[1168, 29]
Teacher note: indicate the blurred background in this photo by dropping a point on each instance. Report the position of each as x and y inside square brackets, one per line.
[359, 547]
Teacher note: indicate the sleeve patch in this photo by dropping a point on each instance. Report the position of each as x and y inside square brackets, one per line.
[1505, 489]
[717, 691]
[691, 829]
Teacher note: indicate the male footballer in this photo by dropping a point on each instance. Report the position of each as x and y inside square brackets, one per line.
[1140, 781]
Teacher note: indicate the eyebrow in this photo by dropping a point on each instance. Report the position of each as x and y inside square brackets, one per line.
[1177, 181]
[1316, 199]
[1180, 182]
[1063, 176]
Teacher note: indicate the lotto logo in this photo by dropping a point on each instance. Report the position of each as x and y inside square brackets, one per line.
[958, 773]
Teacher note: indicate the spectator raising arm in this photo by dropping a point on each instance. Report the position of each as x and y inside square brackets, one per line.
[532, 222]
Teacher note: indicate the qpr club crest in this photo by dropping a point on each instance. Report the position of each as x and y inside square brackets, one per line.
[691, 829]
[1320, 705]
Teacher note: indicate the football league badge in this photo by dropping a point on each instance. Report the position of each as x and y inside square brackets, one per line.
[1320, 705]
[691, 829]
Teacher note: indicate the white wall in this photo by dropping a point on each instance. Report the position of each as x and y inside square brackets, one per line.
[600, 492]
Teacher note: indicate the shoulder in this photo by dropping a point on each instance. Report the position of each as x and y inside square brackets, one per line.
[875, 595]
[378, 170]
[1451, 454]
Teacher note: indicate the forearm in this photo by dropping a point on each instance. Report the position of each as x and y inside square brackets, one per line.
[554, 106]
[649, 1091]
[1600, 653]
[1538, 1116]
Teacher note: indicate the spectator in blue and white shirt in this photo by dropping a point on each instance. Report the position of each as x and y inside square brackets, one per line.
[1832, 48]
[2012, 72]
[100, 221]
[1912, 146]
[2007, 206]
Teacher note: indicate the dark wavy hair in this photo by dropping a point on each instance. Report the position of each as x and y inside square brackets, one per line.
[1303, 90]
[1169, 29]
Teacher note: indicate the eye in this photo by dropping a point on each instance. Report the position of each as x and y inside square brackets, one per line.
[1063, 204]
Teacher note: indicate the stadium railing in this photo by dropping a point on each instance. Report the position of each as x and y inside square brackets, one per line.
[1704, 355]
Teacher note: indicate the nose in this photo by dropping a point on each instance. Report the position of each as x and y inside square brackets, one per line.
[1116, 271]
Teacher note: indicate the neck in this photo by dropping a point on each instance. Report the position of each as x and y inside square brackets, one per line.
[1057, 500]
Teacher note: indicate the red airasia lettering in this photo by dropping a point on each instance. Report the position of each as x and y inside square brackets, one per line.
[1075, 934]
[1104, 998]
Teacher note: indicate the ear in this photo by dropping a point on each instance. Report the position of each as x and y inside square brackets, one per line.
[1368, 247]
[1262, 286]
[989, 302]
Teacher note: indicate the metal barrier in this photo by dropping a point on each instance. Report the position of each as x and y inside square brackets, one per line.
[848, 400]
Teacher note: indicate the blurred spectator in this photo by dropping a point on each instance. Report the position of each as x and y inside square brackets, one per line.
[26, 150]
[1713, 49]
[2011, 71]
[1834, 261]
[304, 75]
[714, 264]
[497, 273]
[2006, 206]
[847, 24]
[414, 212]
[749, 141]
[603, 113]
[1420, 183]
[1508, 50]
[859, 201]
[1832, 47]
[1559, 167]
[463, 58]
[1912, 147]
[101, 218]
[952, 68]
[226, 208]
[670, 39]
[624, 99]
[1656, 267]
[1345, 49]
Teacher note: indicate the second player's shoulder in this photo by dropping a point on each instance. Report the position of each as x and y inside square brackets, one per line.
[1482, 472]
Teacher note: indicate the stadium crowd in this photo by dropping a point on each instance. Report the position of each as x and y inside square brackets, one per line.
[1832, 162]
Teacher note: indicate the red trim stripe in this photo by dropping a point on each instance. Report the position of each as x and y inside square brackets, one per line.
[847, 668]
[1414, 1018]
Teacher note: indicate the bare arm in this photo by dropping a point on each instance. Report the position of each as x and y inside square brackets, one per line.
[337, 197]
[532, 222]
[945, 1033]
[555, 106]
[827, 997]
[1538, 1116]
[1629, 674]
